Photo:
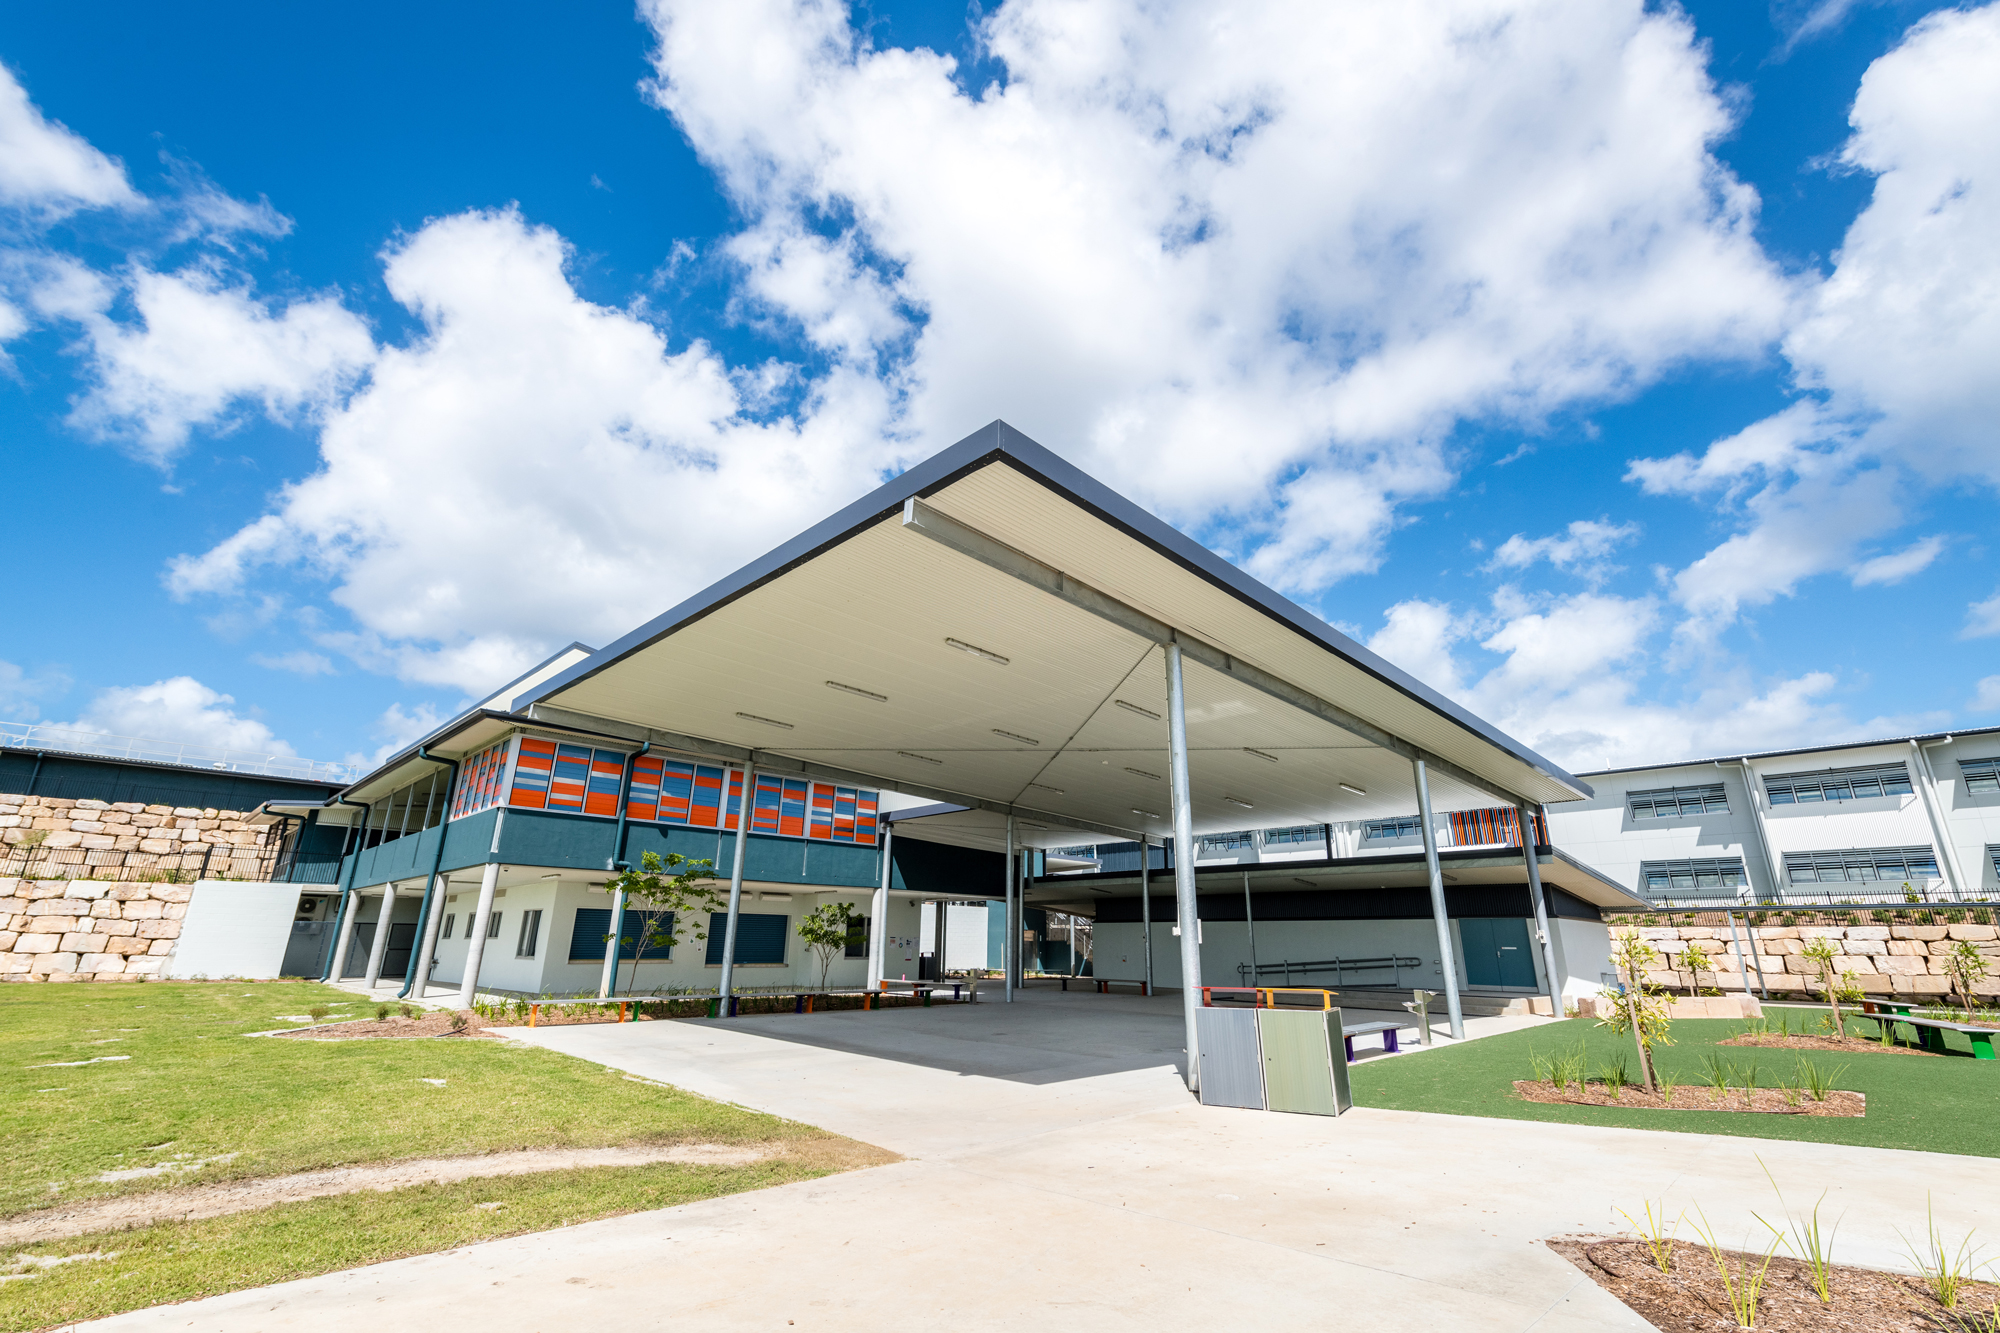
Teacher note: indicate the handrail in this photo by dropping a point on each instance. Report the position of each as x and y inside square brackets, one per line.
[1338, 966]
[104, 745]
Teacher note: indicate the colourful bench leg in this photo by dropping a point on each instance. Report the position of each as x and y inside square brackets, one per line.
[1389, 1041]
[1350, 1048]
[1982, 1045]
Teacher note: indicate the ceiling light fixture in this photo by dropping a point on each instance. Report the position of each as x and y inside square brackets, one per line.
[1043, 786]
[1140, 772]
[1358, 791]
[1237, 800]
[1134, 708]
[767, 721]
[1024, 823]
[1147, 814]
[1308, 883]
[977, 651]
[1016, 736]
[855, 689]
[1271, 758]
[926, 758]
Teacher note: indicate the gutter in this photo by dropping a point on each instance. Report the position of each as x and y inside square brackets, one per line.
[347, 890]
[417, 949]
[617, 859]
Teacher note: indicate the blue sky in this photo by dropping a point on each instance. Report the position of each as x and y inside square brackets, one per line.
[1623, 370]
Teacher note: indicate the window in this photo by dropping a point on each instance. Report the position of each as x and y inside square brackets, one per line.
[1226, 842]
[1837, 784]
[1282, 837]
[760, 937]
[531, 929]
[450, 919]
[1678, 802]
[587, 936]
[479, 780]
[1861, 863]
[1377, 830]
[1670, 877]
[1980, 774]
[857, 936]
[493, 926]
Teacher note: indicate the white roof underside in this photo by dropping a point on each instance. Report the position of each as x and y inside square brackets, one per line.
[874, 609]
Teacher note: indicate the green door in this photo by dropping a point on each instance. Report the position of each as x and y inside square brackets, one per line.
[1497, 951]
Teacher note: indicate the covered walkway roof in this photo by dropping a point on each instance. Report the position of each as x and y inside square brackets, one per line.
[986, 630]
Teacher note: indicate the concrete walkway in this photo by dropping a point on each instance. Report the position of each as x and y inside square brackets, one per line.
[1059, 1172]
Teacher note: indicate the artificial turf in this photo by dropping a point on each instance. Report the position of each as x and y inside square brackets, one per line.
[1929, 1103]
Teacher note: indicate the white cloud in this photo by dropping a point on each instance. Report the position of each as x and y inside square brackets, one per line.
[1571, 677]
[179, 709]
[200, 346]
[398, 728]
[21, 691]
[528, 445]
[1982, 618]
[1986, 696]
[47, 170]
[1898, 565]
[301, 662]
[1895, 348]
[1248, 264]
[1581, 551]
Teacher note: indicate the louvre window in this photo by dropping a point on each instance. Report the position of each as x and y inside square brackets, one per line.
[760, 937]
[1281, 837]
[1837, 784]
[857, 935]
[588, 934]
[493, 926]
[1226, 842]
[531, 931]
[450, 920]
[1670, 877]
[1861, 863]
[1678, 802]
[1980, 774]
[1376, 830]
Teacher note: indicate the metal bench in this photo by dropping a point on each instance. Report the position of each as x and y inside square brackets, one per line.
[1387, 1029]
[1104, 984]
[1930, 1031]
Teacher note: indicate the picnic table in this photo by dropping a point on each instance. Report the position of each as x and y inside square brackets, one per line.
[1930, 1031]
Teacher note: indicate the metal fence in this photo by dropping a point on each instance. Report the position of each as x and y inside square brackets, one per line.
[1796, 897]
[102, 745]
[201, 860]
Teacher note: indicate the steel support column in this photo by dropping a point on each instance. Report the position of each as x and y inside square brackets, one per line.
[1184, 890]
[379, 949]
[1530, 853]
[1146, 908]
[1445, 951]
[1010, 944]
[475, 944]
[728, 987]
[607, 977]
[878, 943]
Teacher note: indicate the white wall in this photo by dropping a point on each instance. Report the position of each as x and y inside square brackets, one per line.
[235, 928]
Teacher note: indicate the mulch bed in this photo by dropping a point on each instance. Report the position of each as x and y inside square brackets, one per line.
[1813, 1042]
[1693, 1097]
[431, 1023]
[1690, 1298]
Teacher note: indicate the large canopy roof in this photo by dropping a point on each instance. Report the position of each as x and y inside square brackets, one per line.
[987, 630]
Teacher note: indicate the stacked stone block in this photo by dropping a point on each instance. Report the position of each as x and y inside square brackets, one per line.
[88, 929]
[125, 840]
[1899, 960]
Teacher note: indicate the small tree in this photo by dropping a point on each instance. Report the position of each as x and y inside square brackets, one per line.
[1696, 961]
[1819, 952]
[827, 930]
[674, 896]
[1966, 967]
[1637, 1011]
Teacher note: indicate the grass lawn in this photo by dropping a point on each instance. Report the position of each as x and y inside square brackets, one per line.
[195, 1089]
[1928, 1103]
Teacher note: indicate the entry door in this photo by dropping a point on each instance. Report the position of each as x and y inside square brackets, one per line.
[1497, 952]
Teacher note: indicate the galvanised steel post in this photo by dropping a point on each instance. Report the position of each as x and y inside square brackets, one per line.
[1449, 962]
[1529, 844]
[1184, 892]
[1010, 946]
[728, 989]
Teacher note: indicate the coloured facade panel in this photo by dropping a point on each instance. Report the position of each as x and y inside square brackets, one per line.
[532, 766]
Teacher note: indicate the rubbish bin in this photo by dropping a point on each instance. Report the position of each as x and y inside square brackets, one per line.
[1304, 1059]
[1232, 1070]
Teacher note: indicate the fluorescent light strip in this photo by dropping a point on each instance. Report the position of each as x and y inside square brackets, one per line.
[977, 651]
[1358, 791]
[1134, 708]
[926, 758]
[1145, 814]
[1237, 800]
[1260, 754]
[854, 689]
[1016, 736]
[1144, 774]
[767, 721]
[1043, 786]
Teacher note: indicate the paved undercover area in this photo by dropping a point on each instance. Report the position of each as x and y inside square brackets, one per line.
[1059, 1173]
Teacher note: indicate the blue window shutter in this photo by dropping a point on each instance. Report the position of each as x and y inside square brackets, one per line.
[760, 937]
[586, 937]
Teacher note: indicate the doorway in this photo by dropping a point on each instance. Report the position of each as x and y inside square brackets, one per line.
[1497, 952]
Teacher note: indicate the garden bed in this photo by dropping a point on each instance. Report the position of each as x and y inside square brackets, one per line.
[434, 1023]
[1691, 1295]
[1687, 1097]
[1802, 1041]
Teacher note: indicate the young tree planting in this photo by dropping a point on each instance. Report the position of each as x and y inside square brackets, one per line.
[1819, 952]
[827, 930]
[1637, 1011]
[677, 889]
[1966, 967]
[1695, 961]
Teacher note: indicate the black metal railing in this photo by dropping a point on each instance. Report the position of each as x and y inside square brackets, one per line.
[202, 860]
[1340, 967]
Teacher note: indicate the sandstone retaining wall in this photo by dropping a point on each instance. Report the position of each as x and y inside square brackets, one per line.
[88, 929]
[1885, 959]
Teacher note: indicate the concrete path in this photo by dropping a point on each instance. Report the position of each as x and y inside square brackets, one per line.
[1058, 1172]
